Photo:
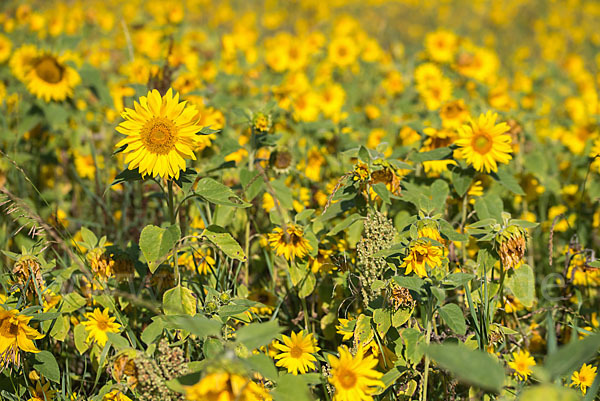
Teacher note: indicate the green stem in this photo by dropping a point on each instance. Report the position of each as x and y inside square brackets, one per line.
[305, 310]
[427, 360]
[171, 205]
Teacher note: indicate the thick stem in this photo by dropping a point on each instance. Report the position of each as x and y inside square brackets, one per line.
[171, 205]
[427, 360]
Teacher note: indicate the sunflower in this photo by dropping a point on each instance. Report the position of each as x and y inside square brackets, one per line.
[161, 134]
[353, 376]
[296, 352]
[115, 395]
[226, 386]
[41, 392]
[584, 378]
[484, 144]
[291, 245]
[98, 324]
[441, 46]
[15, 335]
[521, 364]
[48, 77]
[5, 47]
[422, 253]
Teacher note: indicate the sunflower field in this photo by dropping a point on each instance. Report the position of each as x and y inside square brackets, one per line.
[303, 200]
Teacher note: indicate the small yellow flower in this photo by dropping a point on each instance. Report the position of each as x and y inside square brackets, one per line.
[353, 376]
[584, 378]
[15, 336]
[291, 246]
[521, 364]
[98, 324]
[422, 253]
[296, 352]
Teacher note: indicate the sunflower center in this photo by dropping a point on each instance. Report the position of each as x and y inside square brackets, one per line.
[159, 135]
[102, 325]
[482, 143]
[9, 329]
[347, 378]
[49, 70]
[296, 352]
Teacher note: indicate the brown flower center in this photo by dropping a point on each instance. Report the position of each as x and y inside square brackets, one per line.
[296, 352]
[49, 70]
[482, 143]
[102, 324]
[159, 135]
[347, 378]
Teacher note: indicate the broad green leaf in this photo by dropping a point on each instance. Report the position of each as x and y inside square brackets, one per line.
[225, 242]
[410, 282]
[291, 388]
[390, 378]
[262, 364]
[283, 193]
[157, 242]
[458, 279]
[363, 332]
[46, 364]
[436, 154]
[383, 320]
[570, 357]
[89, 237]
[152, 331]
[80, 334]
[522, 285]
[197, 325]
[61, 328]
[212, 348]
[548, 392]
[489, 206]
[179, 301]
[470, 366]
[454, 318]
[118, 341]
[217, 193]
[449, 232]
[255, 335]
[71, 302]
[401, 316]
[381, 190]
[307, 285]
[508, 181]
[461, 181]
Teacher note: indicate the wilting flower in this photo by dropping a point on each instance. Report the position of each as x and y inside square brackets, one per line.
[296, 352]
[422, 253]
[15, 336]
[291, 246]
[510, 245]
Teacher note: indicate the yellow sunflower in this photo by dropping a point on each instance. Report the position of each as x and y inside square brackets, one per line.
[21, 60]
[48, 77]
[225, 386]
[584, 378]
[420, 254]
[5, 47]
[484, 144]
[15, 335]
[98, 324]
[291, 245]
[161, 134]
[353, 376]
[296, 352]
[521, 364]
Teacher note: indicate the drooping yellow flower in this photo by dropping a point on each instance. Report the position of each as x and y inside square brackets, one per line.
[521, 364]
[15, 336]
[420, 254]
[584, 378]
[161, 134]
[225, 386]
[291, 246]
[484, 144]
[296, 352]
[98, 324]
[48, 77]
[353, 376]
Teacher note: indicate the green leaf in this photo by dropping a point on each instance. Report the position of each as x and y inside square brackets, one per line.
[381, 190]
[89, 238]
[212, 348]
[71, 302]
[217, 193]
[80, 334]
[363, 333]
[390, 378]
[46, 364]
[307, 285]
[156, 242]
[61, 328]
[127, 175]
[283, 193]
[461, 180]
[410, 282]
[347, 222]
[471, 366]
[401, 316]
[456, 280]
[291, 388]
[436, 154]
[522, 285]
[262, 364]
[571, 356]
[383, 320]
[179, 301]
[548, 392]
[197, 325]
[251, 182]
[255, 335]
[152, 331]
[92, 77]
[489, 206]
[225, 242]
[449, 232]
[363, 154]
[508, 181]
[439, 193]
[454, 318]
[118, 341]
